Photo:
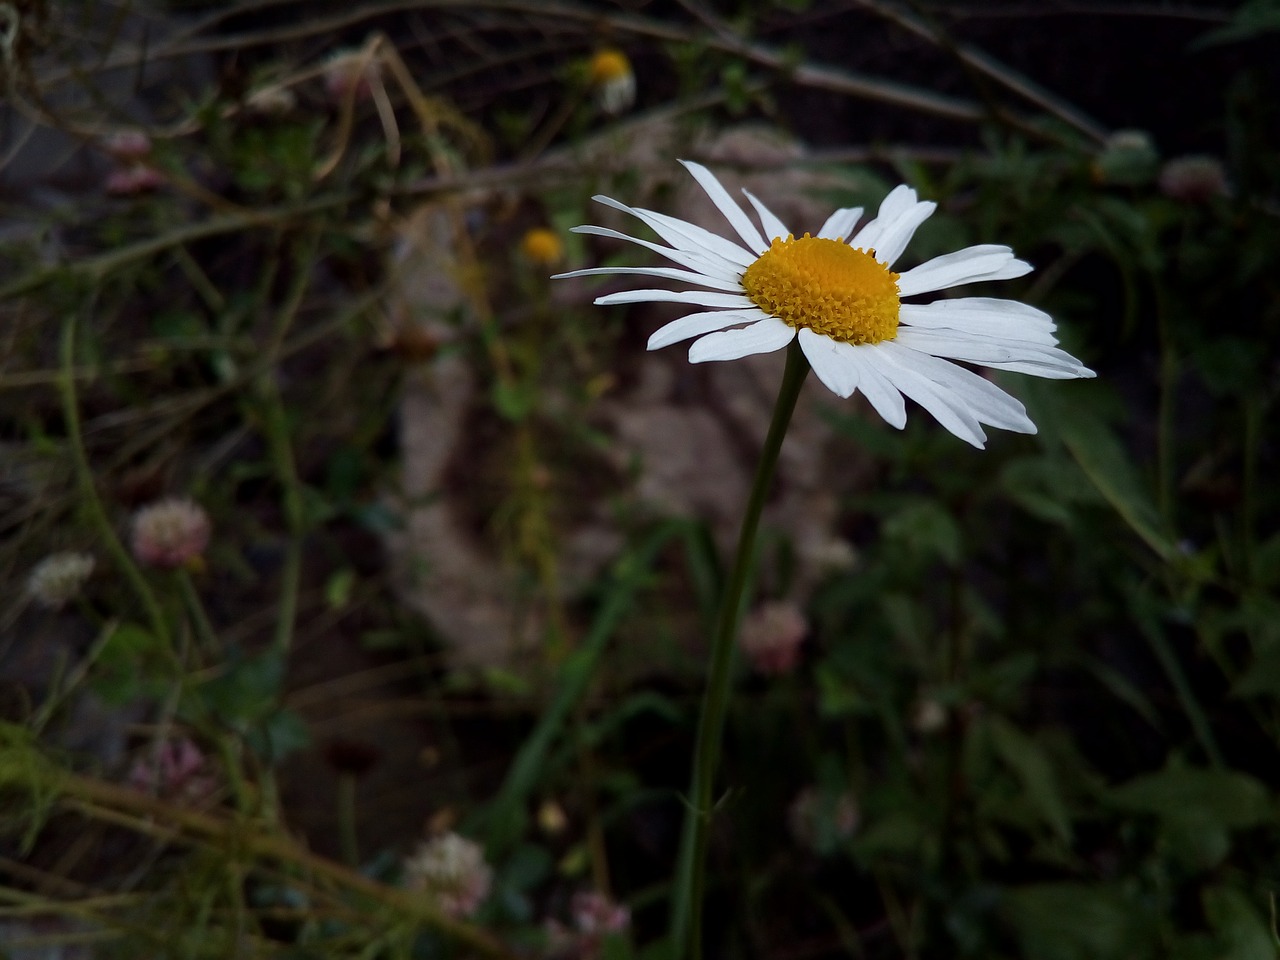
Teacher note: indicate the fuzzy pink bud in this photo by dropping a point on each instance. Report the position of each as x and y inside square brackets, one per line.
[771, 636]
[170, 533]
[1194, 179]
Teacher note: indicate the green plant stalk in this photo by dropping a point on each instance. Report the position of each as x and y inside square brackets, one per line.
[686, 926]
[89, 493]
[195, 609]
[505, 816]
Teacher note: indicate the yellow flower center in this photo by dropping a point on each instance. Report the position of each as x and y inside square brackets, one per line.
[827, 286]
[609, 65]
[542, 246]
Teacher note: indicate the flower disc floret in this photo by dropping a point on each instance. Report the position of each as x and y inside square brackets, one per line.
[609, 64]
[826, 286]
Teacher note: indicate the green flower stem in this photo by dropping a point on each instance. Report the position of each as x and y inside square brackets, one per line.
[686, 926]
[208, 637]
[90, 501]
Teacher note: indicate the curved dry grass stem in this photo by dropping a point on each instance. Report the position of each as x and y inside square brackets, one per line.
[145, 814]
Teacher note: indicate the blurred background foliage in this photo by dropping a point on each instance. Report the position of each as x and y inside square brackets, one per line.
[1036, 712]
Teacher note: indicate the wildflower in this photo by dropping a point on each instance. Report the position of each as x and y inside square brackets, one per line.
[542, 246]
[177, 770]
[594, 914]
[771, 636]
[594, 917]
[928, 716]
[614, 81]
[1128, 157]
[1194, 179]
[453, 870]
[830, 554]
[58, 578]
[127, 146]
[133, 179]
[845, 304]
[271, 101]
[551, 818]
[820, 820]
[170, 533]
[349, 73]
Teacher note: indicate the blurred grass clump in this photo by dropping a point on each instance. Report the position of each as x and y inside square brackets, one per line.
[280, 272]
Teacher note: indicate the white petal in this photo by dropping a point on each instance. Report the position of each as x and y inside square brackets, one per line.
[946, 407]
[764, 336]
[666, 273]
[830, 363]
[732, 212]
[982, 262]
[988, 402]
[880, 393]
[899, 201]
[696, 324]
[773, 227]
[895, 237]
[959, 346]
[685, 235]
[839, 225]
[702, 298]
[982, 316]
[710, 266]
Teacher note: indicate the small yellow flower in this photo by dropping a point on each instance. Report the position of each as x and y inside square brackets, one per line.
[542, 246]
[611, 75]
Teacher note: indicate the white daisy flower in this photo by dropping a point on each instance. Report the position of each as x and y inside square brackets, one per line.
[837, 292]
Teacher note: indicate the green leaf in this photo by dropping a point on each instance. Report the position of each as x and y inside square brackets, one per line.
[1075, 921]
[1251, 19]
[1241, 932]
[1198, 797]
[1262, 677]
[125, 665]
[513, 401]
[926, 527]
[279, 734]
[1029, 762]
[338, 588]
[527, 867]
[838, 695]
[1104, 461]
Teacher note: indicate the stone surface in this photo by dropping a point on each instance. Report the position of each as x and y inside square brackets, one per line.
[686, 436]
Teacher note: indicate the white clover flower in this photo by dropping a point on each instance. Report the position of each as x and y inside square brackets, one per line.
[453, 870]
[842, 300]
[771, 636]
[170, 533]
[57, 579]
